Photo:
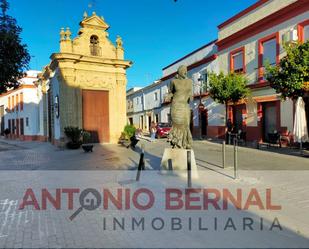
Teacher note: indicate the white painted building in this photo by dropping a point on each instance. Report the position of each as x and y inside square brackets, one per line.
[150, 104]
[246, 41]
[143, 105]
[199, 63]
[21, 109]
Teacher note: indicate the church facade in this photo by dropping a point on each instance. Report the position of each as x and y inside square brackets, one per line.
[85, 84]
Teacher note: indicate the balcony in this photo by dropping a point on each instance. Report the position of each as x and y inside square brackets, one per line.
[166, 99]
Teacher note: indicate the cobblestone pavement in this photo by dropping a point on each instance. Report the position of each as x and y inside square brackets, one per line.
[29, 228]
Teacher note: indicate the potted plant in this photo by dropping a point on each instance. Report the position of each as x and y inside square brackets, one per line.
[7, 132]
[87, 146]
[74, 134]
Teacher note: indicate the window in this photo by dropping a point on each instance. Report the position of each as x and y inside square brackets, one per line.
[141, 122]
[155, 96]
[22, 126]
[9, 125]
[204, 82]
[27, 122]
[13, 126]
[21, 99]
[95, 49]
[237, 60]
[303, 31]
[169, 118]
[268, 51]
[137, 100]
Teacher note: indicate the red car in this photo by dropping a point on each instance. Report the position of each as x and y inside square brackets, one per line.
[163, 129]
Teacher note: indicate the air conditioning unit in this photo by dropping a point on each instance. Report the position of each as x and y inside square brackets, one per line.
[290, 36]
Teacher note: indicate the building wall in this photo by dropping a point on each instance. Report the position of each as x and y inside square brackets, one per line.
[251, 47]
[199, 63]
[149, 96]
[31, 110]
[260, 91]
[190, 59]
[253, 16]
[55, 92]
[286, 108]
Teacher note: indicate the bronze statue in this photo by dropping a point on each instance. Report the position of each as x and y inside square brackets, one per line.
[181, 94]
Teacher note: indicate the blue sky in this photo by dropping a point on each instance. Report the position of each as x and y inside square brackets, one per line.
[155, 32]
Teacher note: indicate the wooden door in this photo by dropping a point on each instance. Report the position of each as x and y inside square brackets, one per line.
[21, 126]
[13, 126]
[17, 127]
[237, 117]
[96, 115]
[204, 122]
[269, 119]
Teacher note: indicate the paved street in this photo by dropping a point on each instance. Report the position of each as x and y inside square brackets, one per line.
[53, 229]
[38, 155]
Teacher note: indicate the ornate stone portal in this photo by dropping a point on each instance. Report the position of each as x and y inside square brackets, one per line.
[88, 62]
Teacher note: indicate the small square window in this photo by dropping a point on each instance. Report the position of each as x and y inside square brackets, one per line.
[269, 52]
[155, 96]
[237, 63]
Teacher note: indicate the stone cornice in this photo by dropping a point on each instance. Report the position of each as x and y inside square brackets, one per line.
[76, 58]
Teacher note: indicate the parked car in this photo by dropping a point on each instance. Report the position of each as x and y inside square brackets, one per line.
[163, 129]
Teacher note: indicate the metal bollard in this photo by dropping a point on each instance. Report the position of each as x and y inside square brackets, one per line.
[223, 154]
[235, 159]
[189, 177]
[141, 164]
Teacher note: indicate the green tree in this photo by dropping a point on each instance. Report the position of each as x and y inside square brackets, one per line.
[14, 56]
[226, 89]
[291, 76]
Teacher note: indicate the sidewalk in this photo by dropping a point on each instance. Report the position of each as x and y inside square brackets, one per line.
[292, 150]
[43, 229]
[42, 155]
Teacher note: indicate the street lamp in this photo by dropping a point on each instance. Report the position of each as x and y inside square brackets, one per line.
[201, 106]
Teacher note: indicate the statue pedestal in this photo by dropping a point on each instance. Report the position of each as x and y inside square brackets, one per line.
[174, 161]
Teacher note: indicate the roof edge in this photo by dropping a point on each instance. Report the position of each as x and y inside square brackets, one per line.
[193, 52]
[242, 13]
